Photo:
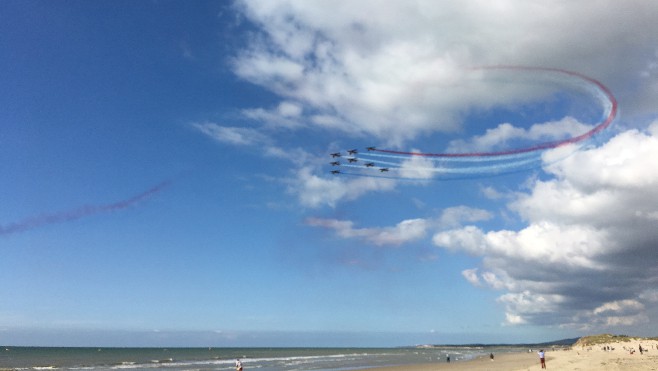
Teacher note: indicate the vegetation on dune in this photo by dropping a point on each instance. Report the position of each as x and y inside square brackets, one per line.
[601, 339]
[607, 338]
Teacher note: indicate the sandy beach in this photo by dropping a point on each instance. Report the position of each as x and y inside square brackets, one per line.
[581, 358]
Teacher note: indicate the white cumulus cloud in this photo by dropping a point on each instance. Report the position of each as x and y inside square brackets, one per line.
[587, 253]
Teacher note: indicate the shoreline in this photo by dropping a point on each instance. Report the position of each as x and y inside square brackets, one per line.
[620, 355]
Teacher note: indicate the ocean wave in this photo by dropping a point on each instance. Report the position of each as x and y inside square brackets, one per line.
[261, 359]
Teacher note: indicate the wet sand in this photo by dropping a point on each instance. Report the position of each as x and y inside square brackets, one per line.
[507, 362]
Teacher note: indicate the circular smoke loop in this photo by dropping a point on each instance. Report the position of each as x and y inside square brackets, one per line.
[416, 165]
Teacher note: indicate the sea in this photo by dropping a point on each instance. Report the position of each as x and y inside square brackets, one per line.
[205, 359]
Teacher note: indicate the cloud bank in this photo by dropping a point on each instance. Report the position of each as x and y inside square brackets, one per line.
[586, 256]
[395, 70]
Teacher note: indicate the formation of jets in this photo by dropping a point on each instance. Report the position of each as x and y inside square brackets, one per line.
[351, 159]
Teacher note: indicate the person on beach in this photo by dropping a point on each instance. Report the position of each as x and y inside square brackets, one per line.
[542, 360]
[238, 365]
[491, 356]
[448, 358]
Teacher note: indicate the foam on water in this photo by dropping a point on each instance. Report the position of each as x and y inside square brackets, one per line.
[262, 359]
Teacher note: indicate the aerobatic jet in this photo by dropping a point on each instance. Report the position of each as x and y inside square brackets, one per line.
[335, 163]
[370, 164]
[334, 155]
[335, 171]
[384, 169]
[371, 148]
[352, 152]
[352, 159]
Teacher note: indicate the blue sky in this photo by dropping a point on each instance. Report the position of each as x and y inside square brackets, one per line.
[166, 178]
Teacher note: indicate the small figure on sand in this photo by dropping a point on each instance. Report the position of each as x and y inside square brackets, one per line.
[238, 365]
[491, 356]
[542, 360]
[448, 358]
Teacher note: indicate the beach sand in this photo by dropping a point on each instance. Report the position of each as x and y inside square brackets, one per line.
[577, 358]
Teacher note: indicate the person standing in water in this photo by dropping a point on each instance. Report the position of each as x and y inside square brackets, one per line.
[238, 365]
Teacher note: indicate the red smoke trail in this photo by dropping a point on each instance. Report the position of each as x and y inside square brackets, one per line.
[84, 211]
[542, 146]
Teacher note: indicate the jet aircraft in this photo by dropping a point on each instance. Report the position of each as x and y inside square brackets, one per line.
[334, 155]
[370, 164]
[384, 169]
[352, 159]
[335, 163]
[335, 171]
[352, 152]
[371, 148]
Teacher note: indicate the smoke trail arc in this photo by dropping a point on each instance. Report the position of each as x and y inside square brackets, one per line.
[417, 165]
[609, 117]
